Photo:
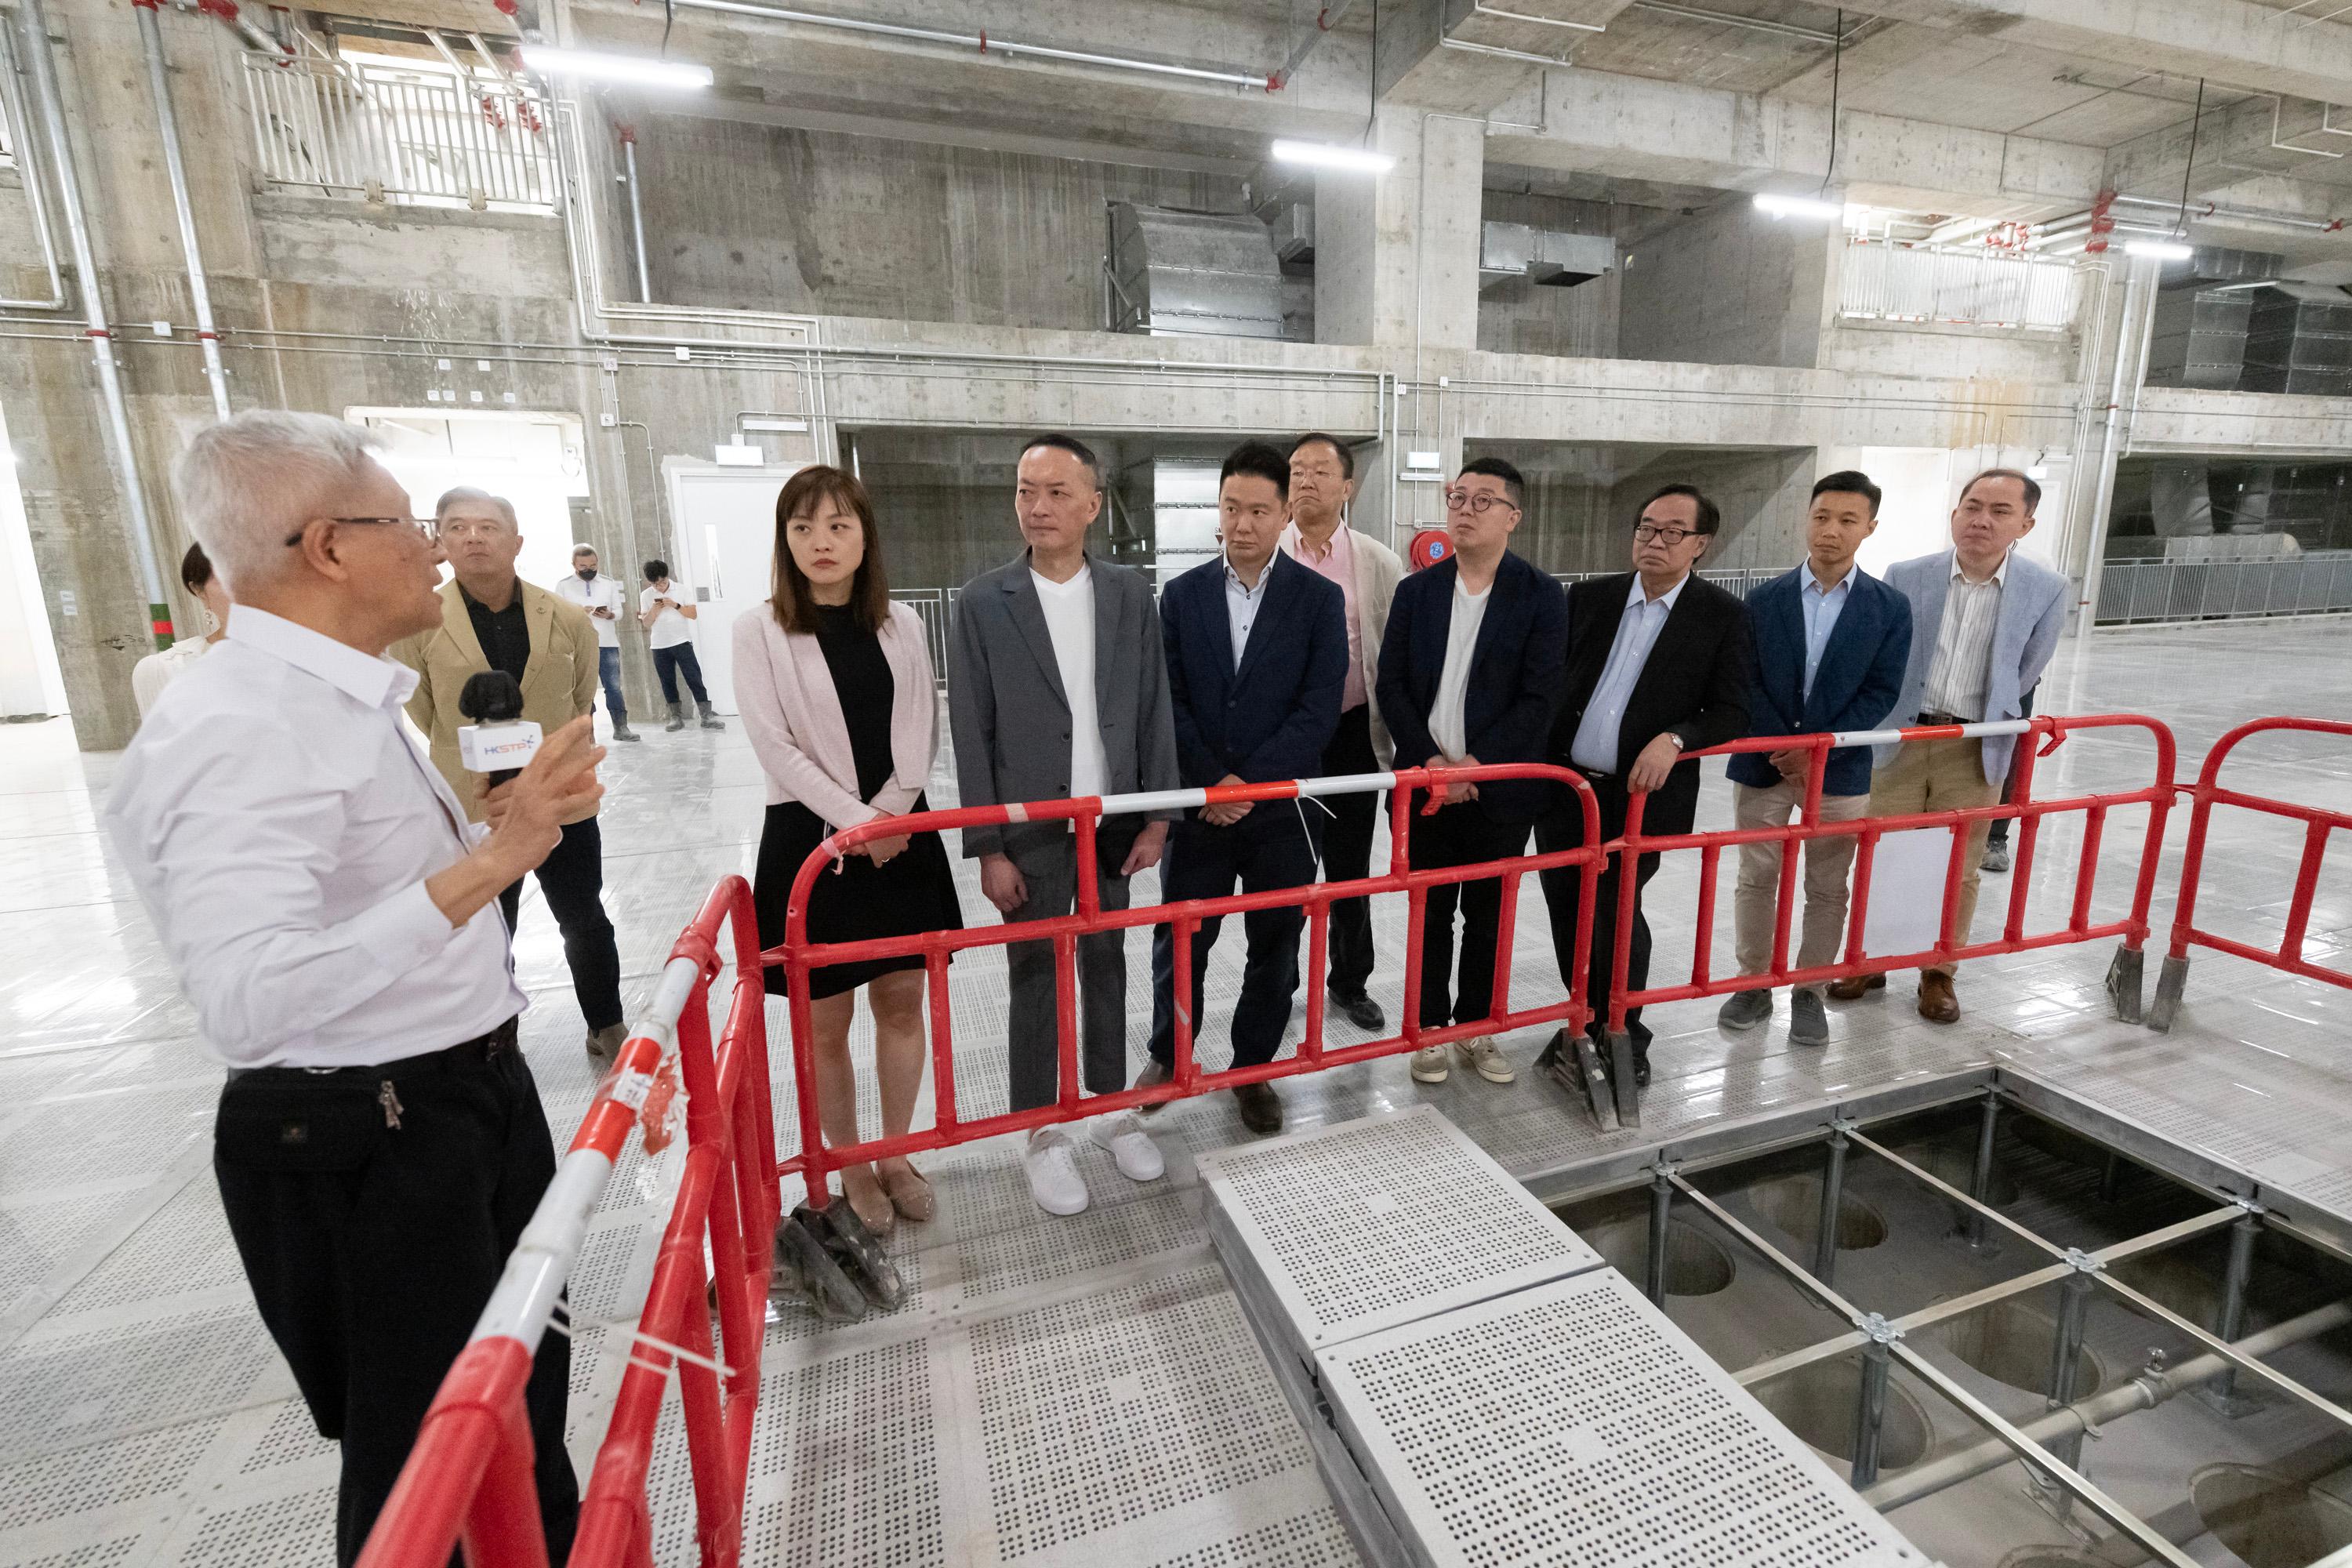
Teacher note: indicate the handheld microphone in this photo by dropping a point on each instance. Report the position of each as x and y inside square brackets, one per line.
[500, 739]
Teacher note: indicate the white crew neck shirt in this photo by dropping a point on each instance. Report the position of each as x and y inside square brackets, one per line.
[1069, 610]
[670, 629]
[1447, 721]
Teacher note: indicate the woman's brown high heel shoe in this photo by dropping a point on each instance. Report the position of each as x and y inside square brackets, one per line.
[911, 1194]
[868, 1200]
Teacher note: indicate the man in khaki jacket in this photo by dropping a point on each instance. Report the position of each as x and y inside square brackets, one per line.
[1322, 483]
[492, 620]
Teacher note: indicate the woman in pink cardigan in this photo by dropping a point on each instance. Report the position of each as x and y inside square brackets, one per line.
[836, 689]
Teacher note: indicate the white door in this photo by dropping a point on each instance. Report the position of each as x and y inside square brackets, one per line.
[725, 520]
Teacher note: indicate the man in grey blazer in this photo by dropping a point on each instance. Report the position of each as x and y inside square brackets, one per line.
[1057, 689]
[1984, 622]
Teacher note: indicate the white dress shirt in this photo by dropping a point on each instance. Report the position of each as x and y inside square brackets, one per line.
[1957, 676]
[1448, 718]
[1823, 606]
[1070, 622]
[280, 824]
[600, 593]
[1243, 603]
[1594, 749]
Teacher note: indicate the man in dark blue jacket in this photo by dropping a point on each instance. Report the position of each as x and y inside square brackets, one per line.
[1831, 642]
[1257, 659]
[1469, 672]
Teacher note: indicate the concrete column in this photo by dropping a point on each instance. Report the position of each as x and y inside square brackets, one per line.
[1396, 255]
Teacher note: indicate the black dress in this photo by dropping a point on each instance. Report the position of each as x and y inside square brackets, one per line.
[855, 899]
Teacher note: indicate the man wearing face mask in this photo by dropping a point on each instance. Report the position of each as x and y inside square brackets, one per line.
[492, 619]
[602, 597]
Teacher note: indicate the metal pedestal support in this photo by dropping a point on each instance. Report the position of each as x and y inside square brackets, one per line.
[1833, 1196]
[1980, 1176]
[2228, 1324]
[1870, 1402]
[2066, 1347]
[2123, 983]
[2170, 981]
[1662, 1198]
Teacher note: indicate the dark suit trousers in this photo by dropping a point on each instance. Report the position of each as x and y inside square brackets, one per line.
[1563, 828]
[571, 879]
[1460, 835]
[1268, 849]
[371, 1250]
[1347, 850]
[1033, 1067]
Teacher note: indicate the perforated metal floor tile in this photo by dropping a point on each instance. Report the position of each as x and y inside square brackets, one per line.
[1311, 1540]
[62, 1391]
[131, 1469]
[1373, 1223]
[1571, 1425]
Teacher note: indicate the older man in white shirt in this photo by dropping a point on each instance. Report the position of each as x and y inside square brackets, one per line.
[379, 1143]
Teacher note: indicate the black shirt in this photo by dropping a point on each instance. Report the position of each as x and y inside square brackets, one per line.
[862, 679]
[504, 635]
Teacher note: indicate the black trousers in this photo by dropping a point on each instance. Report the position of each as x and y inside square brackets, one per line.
[1269, 849]
[669, 663]
[1563, 828]
[1460, 835]
[572, 879]
[372, 1249]
[1998, 833]
[1347, 851]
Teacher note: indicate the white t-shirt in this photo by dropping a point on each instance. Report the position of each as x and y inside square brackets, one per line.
[669, 628]
[1446, 724]
[603, 594]
[1070, 621]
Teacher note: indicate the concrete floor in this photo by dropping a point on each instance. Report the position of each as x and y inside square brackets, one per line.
[1053, 1390]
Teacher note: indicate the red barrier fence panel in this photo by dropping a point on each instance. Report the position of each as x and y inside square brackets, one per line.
[799, 956]
[469, 1474]
[2318, 822]
[2040, 736]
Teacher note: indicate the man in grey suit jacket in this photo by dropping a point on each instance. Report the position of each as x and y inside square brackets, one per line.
[1057, 689]
[1984, 622]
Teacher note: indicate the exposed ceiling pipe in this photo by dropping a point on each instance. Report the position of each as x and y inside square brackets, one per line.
[1268, 81]
[36, 202]
[1328, 18]
[48, 102]
[2201, 210]
[255, 39]
[167, 123]
[628, 134]
[1755, 23]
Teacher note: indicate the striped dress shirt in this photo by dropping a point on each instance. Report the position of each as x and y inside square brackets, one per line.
[1963, 665]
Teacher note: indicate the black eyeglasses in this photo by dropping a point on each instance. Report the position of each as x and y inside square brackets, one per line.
[1669, 537]
[423, 525]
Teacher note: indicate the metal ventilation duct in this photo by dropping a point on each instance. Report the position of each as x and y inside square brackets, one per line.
[1508, 250]
[2200, 338]
[1175, 273]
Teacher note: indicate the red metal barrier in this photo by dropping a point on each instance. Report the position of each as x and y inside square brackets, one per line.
[470, 1474]
[2318, 822]
[2050, 731]
[799, 956]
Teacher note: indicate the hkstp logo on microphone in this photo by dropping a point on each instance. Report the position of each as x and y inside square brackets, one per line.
[494, 748]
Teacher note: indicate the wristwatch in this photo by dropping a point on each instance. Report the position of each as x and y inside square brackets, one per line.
[1675, 739]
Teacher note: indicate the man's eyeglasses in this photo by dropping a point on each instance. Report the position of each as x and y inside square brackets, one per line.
[1474, 500]
[423, 525]
[1649, 532]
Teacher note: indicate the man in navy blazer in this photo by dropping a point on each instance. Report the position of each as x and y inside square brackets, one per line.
[1469, 672]
[1984, 622]
[1257, 659]
[1830, 646]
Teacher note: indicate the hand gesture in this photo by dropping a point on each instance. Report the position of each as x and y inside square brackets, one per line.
[527, 814]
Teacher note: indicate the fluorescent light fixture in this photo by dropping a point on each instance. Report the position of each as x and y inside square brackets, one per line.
[1420, 459]
[770, 421]
[1800, 206]
[1325, 156]
[637, 68]
[739, 457]
[2162, 250]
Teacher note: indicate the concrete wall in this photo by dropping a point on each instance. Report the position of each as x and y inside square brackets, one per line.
[1726, 285]
[1582, 501]
[1982, 353]
[767, 218]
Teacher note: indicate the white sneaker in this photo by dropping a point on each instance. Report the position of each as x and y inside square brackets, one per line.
[1131, 1148]
[1487, 1059]
[1429, 1065]
[1053, 1179]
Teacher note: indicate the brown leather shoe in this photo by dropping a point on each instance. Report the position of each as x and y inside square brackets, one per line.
[1937, 1002]
[1851, 988]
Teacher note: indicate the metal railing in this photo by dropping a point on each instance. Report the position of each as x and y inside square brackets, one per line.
[387, 135]
[1895, 282]
[2312, 584]
[931, 605]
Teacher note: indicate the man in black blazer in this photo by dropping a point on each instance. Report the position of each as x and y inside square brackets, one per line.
[1257, 658]
[1468, 671]
[1659, 663]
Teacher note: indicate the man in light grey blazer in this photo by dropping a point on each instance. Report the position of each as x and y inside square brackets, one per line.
[1984, 622]
[1057, 689]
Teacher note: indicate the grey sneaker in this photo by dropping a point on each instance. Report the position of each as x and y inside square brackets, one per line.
[1996, 855]
[605, 1045]
[1746, 1009]
[1809, 1021]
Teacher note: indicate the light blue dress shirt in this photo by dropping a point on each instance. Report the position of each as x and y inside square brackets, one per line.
[1241, 606]
[1822, 608]
[1595, 747]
